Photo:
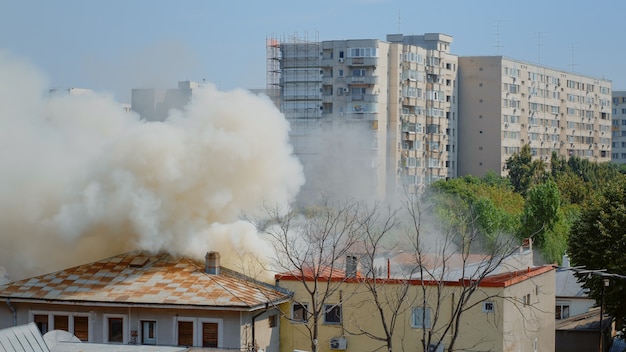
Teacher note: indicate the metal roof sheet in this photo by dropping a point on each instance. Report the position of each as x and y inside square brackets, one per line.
[23, 338]
[143, 278]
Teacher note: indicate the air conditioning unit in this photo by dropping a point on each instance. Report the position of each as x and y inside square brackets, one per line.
[346, 90]
[341, 60]
[338, 343]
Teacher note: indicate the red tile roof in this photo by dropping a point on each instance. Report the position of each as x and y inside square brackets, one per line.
[150, 279]
[498, 280]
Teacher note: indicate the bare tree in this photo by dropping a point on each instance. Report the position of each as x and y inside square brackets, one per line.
[390, 296]
[453, 251]
[311, 245]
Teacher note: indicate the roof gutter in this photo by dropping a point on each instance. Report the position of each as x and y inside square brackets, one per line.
[12, 310]
[153, 305]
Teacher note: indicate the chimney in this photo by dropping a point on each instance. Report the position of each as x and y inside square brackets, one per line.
[212, 263]
[351, 264]
[565, 261]
[527, 244]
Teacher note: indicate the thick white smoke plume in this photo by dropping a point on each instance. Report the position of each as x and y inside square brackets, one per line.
[81, 180]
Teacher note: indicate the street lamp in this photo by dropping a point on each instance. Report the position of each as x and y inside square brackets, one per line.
[605, 283]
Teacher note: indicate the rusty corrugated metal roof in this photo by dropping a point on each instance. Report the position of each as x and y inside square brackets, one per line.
[143, 278]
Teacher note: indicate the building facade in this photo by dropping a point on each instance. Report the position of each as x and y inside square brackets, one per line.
[368, 116]
[506, 103]
[618, 129]
[155, 104]
[139, 298]
[510, 311]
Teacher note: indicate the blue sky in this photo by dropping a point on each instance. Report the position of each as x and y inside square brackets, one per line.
[116, 45]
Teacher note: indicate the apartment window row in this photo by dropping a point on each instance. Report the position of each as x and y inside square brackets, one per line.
[416, 110]
[617, 100]
[510, 103]
[412, 127]
[541, 78]
[189, 331]
[363, 52]
[543, 93]
[414, 57]
[510, 150]
[511, 88]
[435, 112]
[411, 145]
[511, 72]
[75, 323]
[331, 313]
[412, 92]
[413, 75]
[582, 86]
[436, 95]
[510, 118]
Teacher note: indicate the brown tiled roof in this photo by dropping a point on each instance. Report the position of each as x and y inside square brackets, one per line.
[150, 279]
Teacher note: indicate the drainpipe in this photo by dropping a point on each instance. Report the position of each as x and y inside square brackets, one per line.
[14, 312]
[253, 320]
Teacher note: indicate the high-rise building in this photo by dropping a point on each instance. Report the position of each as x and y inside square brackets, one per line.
[506, 103]
[154, 104]
[368, 117]
[618, 129]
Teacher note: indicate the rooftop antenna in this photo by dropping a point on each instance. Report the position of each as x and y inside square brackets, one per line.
[572, 64]
[539, 35]
[498, 34]
[399, 22]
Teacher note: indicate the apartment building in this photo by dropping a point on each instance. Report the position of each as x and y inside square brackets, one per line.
[154, 104]
[368, 117]
[512, 310]
[618, 128]
[506, 103]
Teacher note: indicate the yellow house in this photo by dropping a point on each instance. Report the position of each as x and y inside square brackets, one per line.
[510, 311]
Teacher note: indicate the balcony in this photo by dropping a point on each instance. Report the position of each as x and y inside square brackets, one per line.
[328, 98]
[328, 81]
[328, 62]
[362, 79]
[364, 97]
[362, 61]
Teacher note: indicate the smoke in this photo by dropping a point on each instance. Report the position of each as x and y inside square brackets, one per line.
[82, 180]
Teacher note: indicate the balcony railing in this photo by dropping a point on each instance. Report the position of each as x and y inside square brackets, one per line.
[362, 79]
[362, 61]
[364, 97]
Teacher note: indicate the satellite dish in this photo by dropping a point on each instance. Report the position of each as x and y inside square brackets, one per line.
[53, 337]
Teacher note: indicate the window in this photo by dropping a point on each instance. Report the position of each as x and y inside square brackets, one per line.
[75, 323]
[209, 334]
[81, 327]
[185, 333]
[332, 314]
[562, 310]
[148, 332]
[272, 320]
[299, 312]
[420, 318]
[41, 320]
[115, 330]
[488, 307]
[526, 298]
[61, 322]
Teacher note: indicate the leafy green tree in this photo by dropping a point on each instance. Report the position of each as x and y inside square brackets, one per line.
[491, 200]
[544, 221]
[598, 241]
[524, 171]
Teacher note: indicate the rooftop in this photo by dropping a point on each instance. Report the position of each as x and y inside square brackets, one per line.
[146, 279]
